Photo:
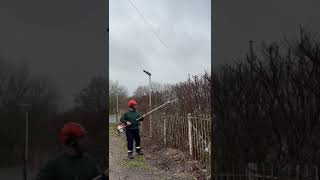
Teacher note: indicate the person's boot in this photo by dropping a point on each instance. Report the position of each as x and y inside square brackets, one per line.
[139, 152]
[130, 155]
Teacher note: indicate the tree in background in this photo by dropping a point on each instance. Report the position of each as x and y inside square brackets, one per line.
[19, 86]
[93, 98]
[116, 90]
[155, 87]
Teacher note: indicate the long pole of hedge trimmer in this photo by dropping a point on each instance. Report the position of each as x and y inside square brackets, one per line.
[156, 109]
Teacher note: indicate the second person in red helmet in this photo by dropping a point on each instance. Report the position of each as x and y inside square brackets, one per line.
[133, 126]
[73, 162]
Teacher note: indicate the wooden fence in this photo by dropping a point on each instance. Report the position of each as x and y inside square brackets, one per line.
[267, 172]
[187, 133]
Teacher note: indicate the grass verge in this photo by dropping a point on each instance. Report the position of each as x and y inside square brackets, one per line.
[137, 162]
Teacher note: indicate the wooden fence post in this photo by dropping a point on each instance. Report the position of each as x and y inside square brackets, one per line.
[165, 131]
[190, 134]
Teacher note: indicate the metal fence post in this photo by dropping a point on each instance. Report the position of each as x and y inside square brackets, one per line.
[190, 133]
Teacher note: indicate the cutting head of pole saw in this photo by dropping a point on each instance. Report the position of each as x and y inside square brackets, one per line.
[120, 128]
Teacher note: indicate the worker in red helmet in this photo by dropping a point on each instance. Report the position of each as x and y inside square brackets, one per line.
[73, 162]
[132, 129]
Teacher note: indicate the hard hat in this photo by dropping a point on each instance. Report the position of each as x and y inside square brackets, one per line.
[132, 102]
[71, 130]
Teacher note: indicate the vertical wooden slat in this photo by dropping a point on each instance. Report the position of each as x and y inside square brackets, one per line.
[185, 130]
[208, 132]
[168, 131]
[194, 134]
[205, 139]
[173, 126]
[171, 131]
[190, 134]
[197, 140]
[175, 131]
[184, 133]
[203, 144]
[165, 131]
[180, 133]
[204, 154]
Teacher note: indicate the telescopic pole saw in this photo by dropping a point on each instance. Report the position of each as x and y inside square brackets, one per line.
[122, 127]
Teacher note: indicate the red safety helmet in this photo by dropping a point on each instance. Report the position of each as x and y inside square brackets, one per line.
[71, 130]
[132, 102]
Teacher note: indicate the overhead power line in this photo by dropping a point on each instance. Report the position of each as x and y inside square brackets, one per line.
[146, 21]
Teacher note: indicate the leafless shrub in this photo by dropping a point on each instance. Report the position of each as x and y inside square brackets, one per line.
[267, 107]
[193, 96]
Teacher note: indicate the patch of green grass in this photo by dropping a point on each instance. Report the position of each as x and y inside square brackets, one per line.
[124, 145]
[137, 162]
[113, 128]
[161, 177]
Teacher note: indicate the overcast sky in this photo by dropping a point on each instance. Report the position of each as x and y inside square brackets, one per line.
[237, 22]
[63, 39]
[183, 25]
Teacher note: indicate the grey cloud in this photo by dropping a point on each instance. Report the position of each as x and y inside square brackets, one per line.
[185, 28]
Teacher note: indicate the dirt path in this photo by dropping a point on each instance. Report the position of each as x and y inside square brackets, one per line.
[120, 167]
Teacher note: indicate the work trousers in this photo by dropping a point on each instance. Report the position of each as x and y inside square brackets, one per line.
[133, 134]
